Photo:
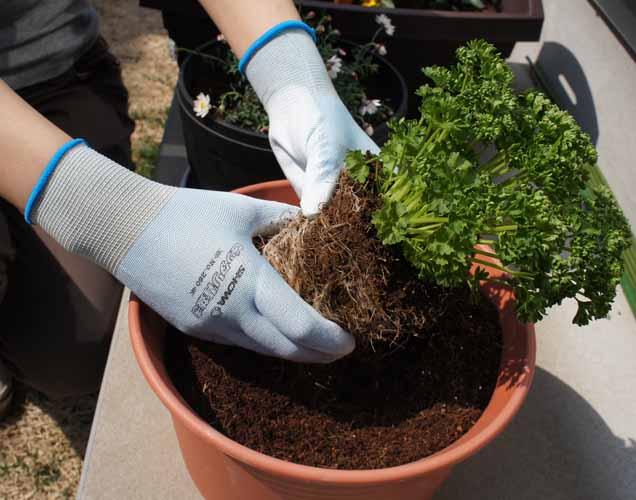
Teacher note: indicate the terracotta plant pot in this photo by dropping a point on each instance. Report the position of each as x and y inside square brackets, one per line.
[225, 470]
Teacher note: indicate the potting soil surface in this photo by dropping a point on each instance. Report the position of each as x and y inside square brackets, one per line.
[360, 412]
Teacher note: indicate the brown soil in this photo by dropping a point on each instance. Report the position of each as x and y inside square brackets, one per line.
[424, 370]
[356, 413]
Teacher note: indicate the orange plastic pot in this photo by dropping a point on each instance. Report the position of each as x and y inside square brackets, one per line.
[225, 470]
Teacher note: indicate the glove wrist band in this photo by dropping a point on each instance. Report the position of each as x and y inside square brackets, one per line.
[95, 208]
[46, 175]
[271, 34]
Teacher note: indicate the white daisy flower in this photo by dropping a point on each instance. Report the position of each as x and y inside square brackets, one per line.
[201, 105]
[381, 48]
[370, 106]
[369, 129]
[384, 21]
[334, 66]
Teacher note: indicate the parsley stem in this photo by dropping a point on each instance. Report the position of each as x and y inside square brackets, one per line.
[519, 274]
[430, 141]
[500, 169]
[400, 189]
[487, 254]
[426, 219]
[486, 242]
[498, 281]
[495, 162]
[515, 179]
[426, 230]
[413, 202]
[501, 229]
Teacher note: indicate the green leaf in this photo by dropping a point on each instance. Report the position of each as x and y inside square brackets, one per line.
[357, 166]
[485, 164]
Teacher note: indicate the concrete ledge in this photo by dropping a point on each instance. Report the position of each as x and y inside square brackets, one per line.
[132, 452]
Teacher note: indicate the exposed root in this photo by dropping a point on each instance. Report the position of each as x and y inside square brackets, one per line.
[336, 263]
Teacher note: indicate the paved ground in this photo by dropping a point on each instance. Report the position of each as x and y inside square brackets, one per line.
[592, 75]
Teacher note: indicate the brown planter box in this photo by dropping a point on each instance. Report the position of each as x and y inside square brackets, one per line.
[518, 20]
[423, 37]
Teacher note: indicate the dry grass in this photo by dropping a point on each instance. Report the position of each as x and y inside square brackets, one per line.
[42, 442]
[137, 38]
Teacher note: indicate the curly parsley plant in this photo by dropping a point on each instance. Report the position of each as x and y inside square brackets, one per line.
[486, 172]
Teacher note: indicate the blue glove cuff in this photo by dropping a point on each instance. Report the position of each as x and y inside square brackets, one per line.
[269, 35]
[46, 175]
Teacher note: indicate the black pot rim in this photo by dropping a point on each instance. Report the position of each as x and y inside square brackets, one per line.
[186, 100]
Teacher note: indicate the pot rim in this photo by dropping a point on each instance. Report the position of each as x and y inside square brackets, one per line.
[445, 458]
[187, 101]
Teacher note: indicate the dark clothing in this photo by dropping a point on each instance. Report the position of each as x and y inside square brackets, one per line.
[41, 39]
[58, 311]
[89, 101]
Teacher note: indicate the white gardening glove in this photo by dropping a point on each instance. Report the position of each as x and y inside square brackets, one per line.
[310, 129]
[188, 254]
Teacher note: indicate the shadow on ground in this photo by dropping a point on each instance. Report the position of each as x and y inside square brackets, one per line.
[561, 75]
[557, 447]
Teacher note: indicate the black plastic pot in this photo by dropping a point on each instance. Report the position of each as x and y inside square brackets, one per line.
[224, 156]
[422, 37]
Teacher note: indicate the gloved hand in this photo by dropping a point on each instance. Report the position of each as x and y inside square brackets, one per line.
[310, 129]
[188, 254]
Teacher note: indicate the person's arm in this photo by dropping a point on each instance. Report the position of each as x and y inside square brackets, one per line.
[27, 142]
[186, 253]
[243, 21]
[310, 129]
